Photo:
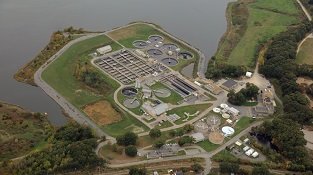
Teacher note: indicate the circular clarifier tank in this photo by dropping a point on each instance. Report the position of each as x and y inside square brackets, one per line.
[169, 47]
[169, 61]
[154, 52]
[131, 103]
[185, 55]
[155, 38]
[140, 44]
[129, 91]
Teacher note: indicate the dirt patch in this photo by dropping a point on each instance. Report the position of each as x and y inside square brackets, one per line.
[216, 138]
[102, 113]
[304, 80]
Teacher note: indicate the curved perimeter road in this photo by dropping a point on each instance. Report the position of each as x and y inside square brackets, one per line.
[71, 110]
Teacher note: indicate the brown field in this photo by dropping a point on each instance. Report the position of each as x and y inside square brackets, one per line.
[124, 33]
[102, 113]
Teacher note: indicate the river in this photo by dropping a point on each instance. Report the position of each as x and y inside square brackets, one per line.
[26, 25]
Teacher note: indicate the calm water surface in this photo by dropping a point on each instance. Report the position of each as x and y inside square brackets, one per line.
[25, 27]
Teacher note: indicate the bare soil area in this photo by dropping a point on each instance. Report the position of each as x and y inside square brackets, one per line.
[102, 113]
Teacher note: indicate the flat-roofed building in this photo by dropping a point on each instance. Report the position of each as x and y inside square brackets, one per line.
[104, 50]
[229, 84]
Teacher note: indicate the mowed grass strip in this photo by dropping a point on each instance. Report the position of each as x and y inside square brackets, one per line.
[191, 109]
[305, 54]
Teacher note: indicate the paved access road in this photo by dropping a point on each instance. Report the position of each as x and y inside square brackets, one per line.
[68, 108]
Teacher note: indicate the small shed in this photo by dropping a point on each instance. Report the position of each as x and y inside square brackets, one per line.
[249, 74]
[104, 50]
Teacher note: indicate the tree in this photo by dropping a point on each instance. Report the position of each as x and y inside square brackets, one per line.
[131, 151]
[311, 2]
[154, 133]
[128, 138]
[137, 171]
[227, 167]
[197, 168]
[159, 143]
[260, 170]
[188, 128]
[185, 140]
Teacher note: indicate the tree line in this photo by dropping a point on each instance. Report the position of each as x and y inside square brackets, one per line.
[71, 148]
[284, 131]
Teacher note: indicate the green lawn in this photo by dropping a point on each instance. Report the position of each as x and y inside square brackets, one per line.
[242, 124]
[224, 156]
[266, 19]
[165, 124]
[191, 109]
[174, 98]
[147, 140]
[207, 145]
[305, 55]
[59, 75]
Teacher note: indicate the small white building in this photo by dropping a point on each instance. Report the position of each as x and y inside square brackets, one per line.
[199, 137]
[249, 74]
[197, 83]
[104, 50]
[255, 155]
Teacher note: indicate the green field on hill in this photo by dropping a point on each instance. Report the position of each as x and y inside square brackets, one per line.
[266, 18]
[305, 55]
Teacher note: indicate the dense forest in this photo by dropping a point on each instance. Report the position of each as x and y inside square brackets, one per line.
[72, 148]
[284, 131]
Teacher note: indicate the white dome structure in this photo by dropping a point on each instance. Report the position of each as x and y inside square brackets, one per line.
[216, 110]
[170, 53]
[223, 105]
[226, 116]
[228, 131]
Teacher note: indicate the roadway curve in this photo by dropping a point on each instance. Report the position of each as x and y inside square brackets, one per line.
[68, 108]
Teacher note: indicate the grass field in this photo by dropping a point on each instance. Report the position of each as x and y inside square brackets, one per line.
[242, 124]
[207, 145]
[191, 109]
[224, 156]
[305, 54]
[126, 36]
[174, 98]
[266, 19]
[147, 140]
[60, 76]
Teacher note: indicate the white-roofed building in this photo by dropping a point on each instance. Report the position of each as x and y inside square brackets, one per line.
[246, 148]
[249, 74]
[255, 155]
[104, 50]
[199, 137]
